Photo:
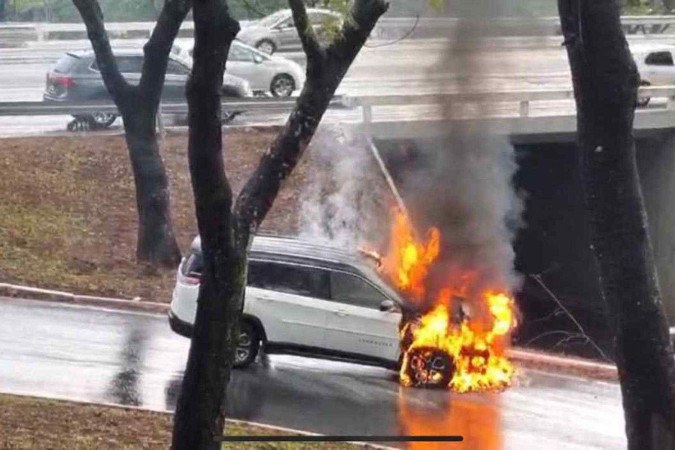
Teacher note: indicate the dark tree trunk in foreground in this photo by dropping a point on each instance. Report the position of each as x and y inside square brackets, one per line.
[605, 82]
[226, 229]
[138, 106]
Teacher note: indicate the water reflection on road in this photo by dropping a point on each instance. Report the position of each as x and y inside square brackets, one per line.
[100, 355]
[477, 418]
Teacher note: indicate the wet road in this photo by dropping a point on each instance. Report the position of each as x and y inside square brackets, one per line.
[130, 358]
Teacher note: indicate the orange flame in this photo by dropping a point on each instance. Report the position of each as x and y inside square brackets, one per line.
[408, 261]
[475, 347]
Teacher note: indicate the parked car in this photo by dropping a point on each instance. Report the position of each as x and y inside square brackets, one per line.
[274, 74]
[303, 299]
[277, 31]
[76, 76]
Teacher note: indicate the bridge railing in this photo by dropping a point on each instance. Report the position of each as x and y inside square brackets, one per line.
[524, 99]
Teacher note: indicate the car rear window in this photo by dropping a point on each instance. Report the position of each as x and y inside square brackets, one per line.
[659, 59]
[66, 64]
[354, 290]
[299, 280]
[193, 265]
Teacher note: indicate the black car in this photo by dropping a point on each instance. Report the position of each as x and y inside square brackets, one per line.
[76, 77]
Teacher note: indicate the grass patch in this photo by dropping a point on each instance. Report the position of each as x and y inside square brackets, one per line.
[68, 216]
[29, 422]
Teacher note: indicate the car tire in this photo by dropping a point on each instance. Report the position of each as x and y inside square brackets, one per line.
[282, 85]
[248, 345]
[266, 46]
[430, 367]
[98, 120]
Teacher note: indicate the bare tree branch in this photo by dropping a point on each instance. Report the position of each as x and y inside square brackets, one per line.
[92, 16]
[310, 43]
[543, 285]
[158, 48]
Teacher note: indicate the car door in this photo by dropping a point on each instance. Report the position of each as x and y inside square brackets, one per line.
[659, 68]
[356, 325]
[131, 67]
[288, 35]
[240, 63]
[174, 81]
[290, 300]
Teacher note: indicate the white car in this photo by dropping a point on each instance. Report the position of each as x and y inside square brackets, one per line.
[656, 65]
[264, 73]
[303, 299]
[277, 31]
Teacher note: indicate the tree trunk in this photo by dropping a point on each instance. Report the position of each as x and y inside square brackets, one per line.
[226, 234]
[138, 106]
[156, 244]
[200, 415]
[605, 82]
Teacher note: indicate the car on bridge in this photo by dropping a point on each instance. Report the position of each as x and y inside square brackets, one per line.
[656, 67]
[277, 32]
[312, 300]
[76, 77]
[265, 73]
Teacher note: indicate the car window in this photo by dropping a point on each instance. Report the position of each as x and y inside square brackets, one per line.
[239, 54]
[659, 59]
[130, 64]
[175, 68]
[193, 265]
[65, 64]
[299, 280]
[272, 19]
[354, 290]
[288, 23]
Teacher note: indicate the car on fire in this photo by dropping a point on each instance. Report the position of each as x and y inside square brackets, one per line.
[317, 301]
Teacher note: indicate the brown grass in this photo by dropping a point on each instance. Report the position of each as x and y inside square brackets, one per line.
[68, 215]
[31, 423]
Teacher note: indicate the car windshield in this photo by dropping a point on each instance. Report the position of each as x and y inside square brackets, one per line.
[273, 18]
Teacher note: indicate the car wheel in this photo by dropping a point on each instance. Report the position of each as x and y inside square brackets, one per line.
[98, 120]
[282, 86]
[266, 46]
[429, 367]
[247, 347]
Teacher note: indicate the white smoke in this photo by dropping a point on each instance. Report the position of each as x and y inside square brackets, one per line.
[343, 200]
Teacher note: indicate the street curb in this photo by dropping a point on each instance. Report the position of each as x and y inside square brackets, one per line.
[231, 421]
[135, 304]
[526, 358]
[585, 368]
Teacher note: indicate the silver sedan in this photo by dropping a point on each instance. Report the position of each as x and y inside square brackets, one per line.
[265, 73]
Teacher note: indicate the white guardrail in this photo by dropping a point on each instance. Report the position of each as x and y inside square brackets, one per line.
[387, 28]
[522, 98]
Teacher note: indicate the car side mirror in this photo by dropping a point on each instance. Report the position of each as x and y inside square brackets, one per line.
[388, 306]
[257, 59]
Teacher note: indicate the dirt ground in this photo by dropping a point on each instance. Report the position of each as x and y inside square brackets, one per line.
[29, 422]
[68, 215]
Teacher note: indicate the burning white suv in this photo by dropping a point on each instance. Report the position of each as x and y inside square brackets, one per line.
[303, 299]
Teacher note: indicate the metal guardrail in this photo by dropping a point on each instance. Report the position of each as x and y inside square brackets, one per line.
[386, 28]
[523, 98]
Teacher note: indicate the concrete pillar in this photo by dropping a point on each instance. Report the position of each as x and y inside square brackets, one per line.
[656, 162]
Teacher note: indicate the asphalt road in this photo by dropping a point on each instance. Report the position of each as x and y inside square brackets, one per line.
[129, 358]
